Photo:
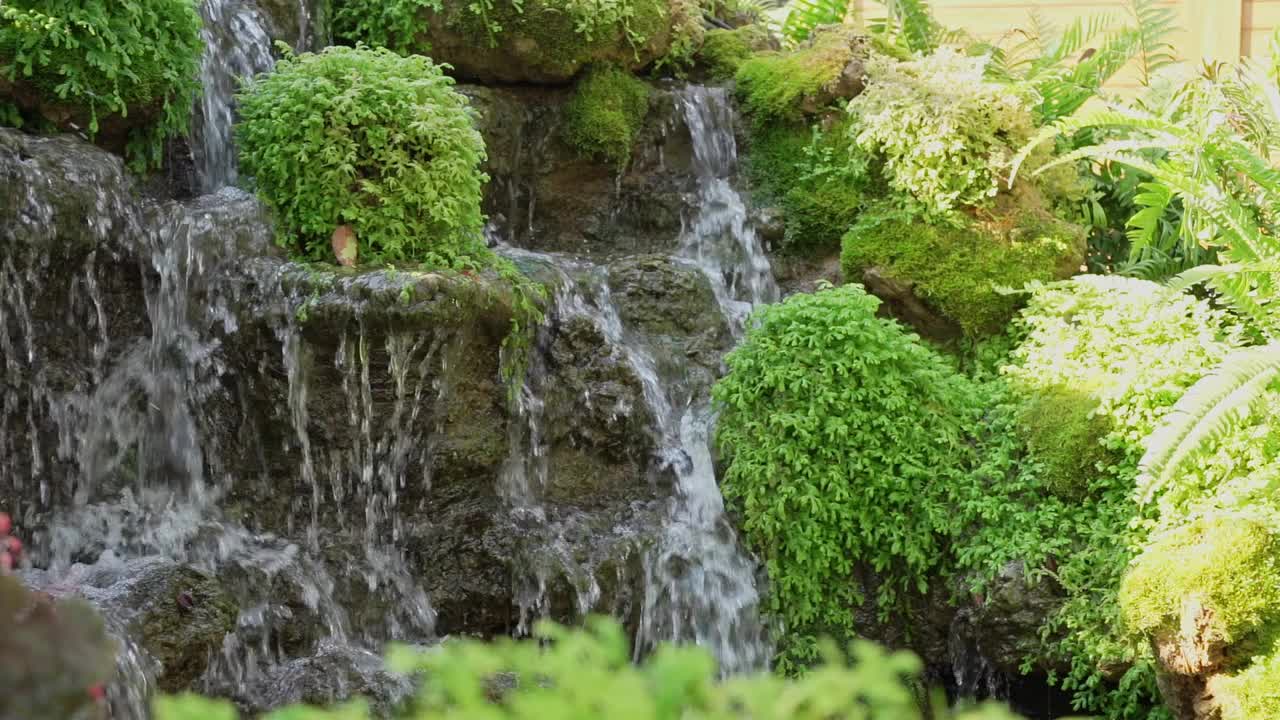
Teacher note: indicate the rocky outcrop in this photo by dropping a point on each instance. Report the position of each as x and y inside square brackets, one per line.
[541, 41]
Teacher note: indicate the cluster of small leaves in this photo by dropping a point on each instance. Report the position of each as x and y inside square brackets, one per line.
[606, 113]
[109, 58]
[391, 24]
[848, 442]
[370, 139]
[588, 674]
[946, 134]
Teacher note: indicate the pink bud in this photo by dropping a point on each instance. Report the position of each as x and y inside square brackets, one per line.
[15, 545]
[98, 692]
[6, 524]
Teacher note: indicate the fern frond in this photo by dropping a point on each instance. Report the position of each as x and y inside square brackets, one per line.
[1155, 24]
[1209, 410]
[806, 16]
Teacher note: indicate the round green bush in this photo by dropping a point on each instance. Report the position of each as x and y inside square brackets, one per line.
[369, 139]
[848, 446]
[93, 59]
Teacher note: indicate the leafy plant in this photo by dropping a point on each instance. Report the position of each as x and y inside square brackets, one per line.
[588, 674]
[108, 59]
[786, 86]
[847, 446]
[369, 139]
[907, 23]
[947, 135]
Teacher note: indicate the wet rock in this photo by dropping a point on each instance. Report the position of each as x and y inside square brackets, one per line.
[903, 304]
[673, 303]
[178, 614]
[543, 195]
[1006, 623]
[334, 674]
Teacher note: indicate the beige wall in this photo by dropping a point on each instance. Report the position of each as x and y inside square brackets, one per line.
[1210, 29]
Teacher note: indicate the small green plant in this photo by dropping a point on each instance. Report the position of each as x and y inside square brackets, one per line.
[108, 59]
[724, 51]
[847, 441]
[784, 86]
[606, 113]
[589, 674]
[369, 139]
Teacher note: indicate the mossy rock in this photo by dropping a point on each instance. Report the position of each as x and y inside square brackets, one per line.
[959, 269]
[1065, 432]
[1227, 564]
[817, 208]
[789, 85]
[1250, 693]
[724, 51]
[604, 116]
[538, 41]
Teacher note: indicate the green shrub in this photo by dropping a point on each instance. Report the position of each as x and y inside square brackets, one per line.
[606, 113]
[108, 58]
[724, 51]
[1064, 432]
[1229, 563]
[370, 139]
[776, 86]
[847, 441]
[961, 269]
[947, 135]
[589, 675]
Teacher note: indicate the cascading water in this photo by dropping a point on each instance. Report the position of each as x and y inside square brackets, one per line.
[237, 47]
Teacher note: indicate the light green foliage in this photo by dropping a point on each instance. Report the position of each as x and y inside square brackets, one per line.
[391, 23]
[777, 86]
[908, 25]
[606, 113]
[724, 51]
[1230, 564]
[847, 442]
[1253, 692]
[947, 135]
[109, 58]
[588, 675]
[959, 270]
[371, 139]
[812, 176]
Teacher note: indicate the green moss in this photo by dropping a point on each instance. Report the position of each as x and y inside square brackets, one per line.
[1065, 432]
[1252, 693]
[959, 269]
[606, 113]
[783, 86]
[1230, 563]
[806, 173]
[724, 51]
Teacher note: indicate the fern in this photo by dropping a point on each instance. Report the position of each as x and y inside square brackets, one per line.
[1209, 410]
[808, 15]
[1155, 24]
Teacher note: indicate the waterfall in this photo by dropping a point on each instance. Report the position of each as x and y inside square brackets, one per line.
[237, 47]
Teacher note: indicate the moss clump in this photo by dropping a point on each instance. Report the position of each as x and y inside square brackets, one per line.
[1252, 693]
[87, 62]
[1229, 563]
[368, 139]
[606, 113]
[724, 51]
[783, 86]
[805, 173]
[959, 268]
[1064, 432]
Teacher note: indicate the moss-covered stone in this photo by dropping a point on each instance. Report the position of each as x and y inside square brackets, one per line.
[819, 204]
[1065, 432]
[959, 269]
[537, 41]
[785, 86]
[724, 51]
[606, 113]
[1251, 693]
[1228, 565]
